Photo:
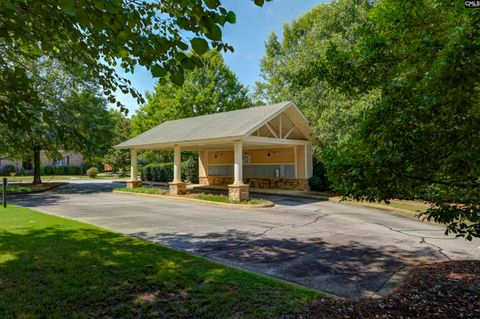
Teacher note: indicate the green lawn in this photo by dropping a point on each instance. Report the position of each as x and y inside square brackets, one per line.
[144, 190]
[206, 197]
[24, 188]
[52, 267]
[61, 177]
[225, 199]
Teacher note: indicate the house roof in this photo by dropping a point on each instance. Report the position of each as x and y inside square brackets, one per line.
[218, 126]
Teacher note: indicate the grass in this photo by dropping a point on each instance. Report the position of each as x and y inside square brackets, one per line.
[143, 190]
[408, 208]
[225, 199]
[51, 267]
[31, 188]
[206, 197]
[23, 188]
[59, 177]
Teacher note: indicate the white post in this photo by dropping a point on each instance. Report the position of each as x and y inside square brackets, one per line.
[238, 163]
[177, 164]
[133, 165]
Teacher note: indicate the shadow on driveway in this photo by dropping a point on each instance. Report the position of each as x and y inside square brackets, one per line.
[350, 270]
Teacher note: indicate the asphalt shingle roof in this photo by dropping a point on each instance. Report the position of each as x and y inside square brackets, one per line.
[222, 125]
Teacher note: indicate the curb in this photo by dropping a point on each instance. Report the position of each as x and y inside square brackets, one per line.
[203, 202]
[395, 280]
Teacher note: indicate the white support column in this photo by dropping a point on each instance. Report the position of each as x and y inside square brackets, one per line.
[238, 163]
[133, 164]
[177, 164]
[133, 182]
[238, 191]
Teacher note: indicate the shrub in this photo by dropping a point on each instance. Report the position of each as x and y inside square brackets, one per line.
[190, 170]
[13, 174]
[74, 170]
[92, 172]
[59, 170]
[21, 172]
[317, 183]
[49, 170]
[8, 169]
[157, 172]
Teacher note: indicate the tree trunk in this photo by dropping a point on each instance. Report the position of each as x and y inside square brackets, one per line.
[36, 165]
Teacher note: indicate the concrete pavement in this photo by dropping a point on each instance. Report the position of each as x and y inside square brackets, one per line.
[344, 250]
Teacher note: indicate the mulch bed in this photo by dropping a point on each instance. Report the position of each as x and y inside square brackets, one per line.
[442, 290]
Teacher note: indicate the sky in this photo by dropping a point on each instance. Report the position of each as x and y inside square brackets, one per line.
[247, 36]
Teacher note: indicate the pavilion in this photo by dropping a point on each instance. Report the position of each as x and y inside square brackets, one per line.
[264, 147]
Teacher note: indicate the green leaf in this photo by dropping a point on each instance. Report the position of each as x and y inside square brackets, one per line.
[259, 2]
[199, 45]
[231, 17]
[188, 64]
[158, 71]
[178, 77]
[212, 4]
[67, 5]
[215, 34]
[182, 45]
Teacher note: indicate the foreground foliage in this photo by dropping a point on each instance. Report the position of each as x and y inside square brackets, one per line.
[57, 268]
[94, 38]
[402, 100]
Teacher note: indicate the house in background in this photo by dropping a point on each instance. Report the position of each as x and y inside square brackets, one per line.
[68, 159]
[264, 147]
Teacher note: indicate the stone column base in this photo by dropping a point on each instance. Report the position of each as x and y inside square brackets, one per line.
[178, 188]
[134, 183]
[203, 180]
[238, 192]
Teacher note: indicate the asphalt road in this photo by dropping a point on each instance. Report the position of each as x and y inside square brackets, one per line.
[344, 250]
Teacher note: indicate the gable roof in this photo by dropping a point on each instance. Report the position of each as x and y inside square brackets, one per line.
[223, 125]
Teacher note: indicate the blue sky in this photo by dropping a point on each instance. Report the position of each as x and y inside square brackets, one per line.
[247, 36]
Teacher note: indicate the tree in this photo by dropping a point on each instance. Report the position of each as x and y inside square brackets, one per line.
[119, 159]
[92, 38]
[72, 117]
[209, 89]
[91, 127]
[333, 114]
[421, 139]
[305, 41]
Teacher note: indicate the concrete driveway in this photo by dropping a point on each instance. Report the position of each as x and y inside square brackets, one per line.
[344, 250]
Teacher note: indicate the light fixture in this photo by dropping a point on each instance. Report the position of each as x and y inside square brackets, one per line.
[270, 153]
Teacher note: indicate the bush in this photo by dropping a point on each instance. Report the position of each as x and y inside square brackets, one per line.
[190, 170]
[49, 170]
[316, 184]
[73, 170]
[21, 172]
[319, 181]
[8, 169]
[92, 172]
[59, 170]
[157, 172]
